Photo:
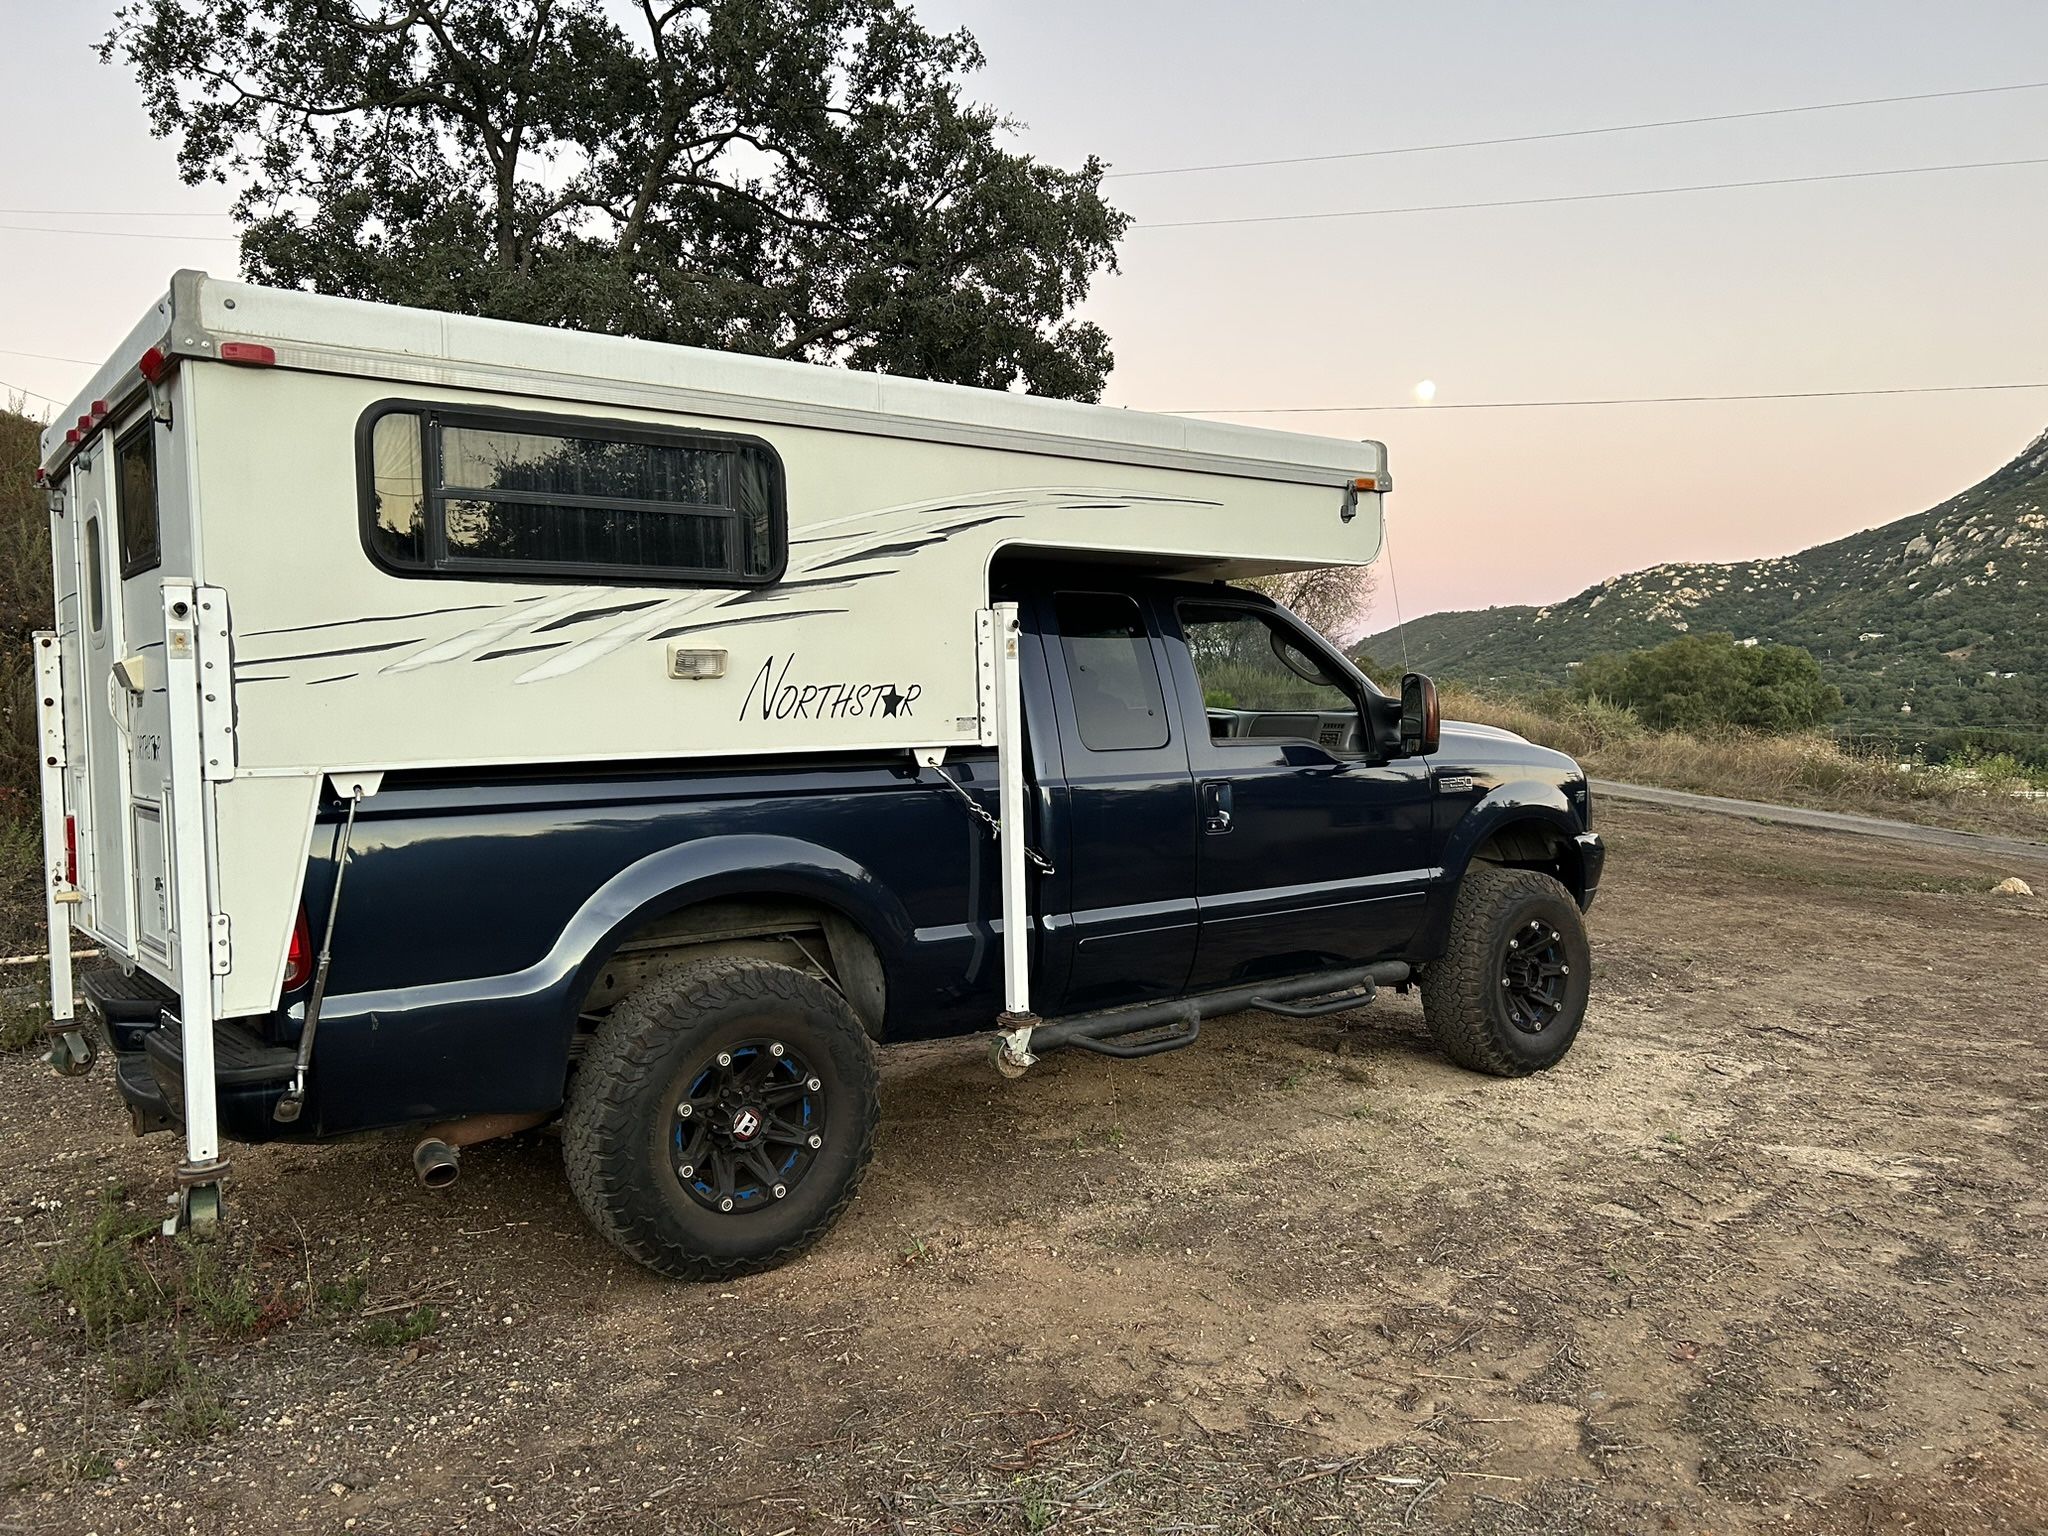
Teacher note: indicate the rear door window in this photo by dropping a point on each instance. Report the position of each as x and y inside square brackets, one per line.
[1111, 671]
[135, 499]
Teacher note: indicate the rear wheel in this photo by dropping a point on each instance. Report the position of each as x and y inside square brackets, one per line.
[722, 1118]
[1509, 994]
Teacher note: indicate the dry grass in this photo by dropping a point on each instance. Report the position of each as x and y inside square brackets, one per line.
[1811, 770]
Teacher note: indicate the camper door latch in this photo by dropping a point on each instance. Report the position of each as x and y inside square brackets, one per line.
[223, 944]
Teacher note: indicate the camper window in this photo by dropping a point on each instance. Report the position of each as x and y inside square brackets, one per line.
[95, 582]
[135, 486]
[493, 493]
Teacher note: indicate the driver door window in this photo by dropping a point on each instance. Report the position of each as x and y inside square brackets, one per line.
[1260, 685]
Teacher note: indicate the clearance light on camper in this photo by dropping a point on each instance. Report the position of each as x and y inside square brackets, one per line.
[155, 363]
[1366, 483]
[71, 850]
[250, 354]
[99, 411]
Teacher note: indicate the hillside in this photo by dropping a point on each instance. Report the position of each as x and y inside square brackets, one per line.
[1927, 625]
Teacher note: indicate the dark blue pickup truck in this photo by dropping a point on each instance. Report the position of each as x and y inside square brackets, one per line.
[690, 966]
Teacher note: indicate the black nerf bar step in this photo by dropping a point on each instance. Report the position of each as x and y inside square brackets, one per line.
[1329, 992]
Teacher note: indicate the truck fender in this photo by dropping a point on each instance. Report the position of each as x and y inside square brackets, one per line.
[706, 869]
[1519, 800]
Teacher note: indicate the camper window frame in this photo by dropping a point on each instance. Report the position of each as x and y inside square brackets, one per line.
[442, 566]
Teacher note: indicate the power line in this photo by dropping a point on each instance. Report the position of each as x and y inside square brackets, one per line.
[35, 394]
[48, 357]
[1590, 197]
[105, 213]
[108, 234]
[1528, 405]
[1573, 133]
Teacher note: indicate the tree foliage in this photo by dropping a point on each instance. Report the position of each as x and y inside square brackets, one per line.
[1334, 599]
[1698, 682]
[794, 178]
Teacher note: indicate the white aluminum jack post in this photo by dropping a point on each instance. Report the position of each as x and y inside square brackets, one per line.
[201, 1174]
[72, 1050]
[1000, 633]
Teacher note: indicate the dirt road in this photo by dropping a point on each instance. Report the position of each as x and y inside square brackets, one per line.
[1767, 1252]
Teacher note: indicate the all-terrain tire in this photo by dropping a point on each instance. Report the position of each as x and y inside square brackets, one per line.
[1464, 1000]
[620, 1132]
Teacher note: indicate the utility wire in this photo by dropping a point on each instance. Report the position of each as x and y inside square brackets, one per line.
[1531, 405]
[109, 234]
[35, 394]
[48, 357]
[1572, 133]
[1589, 197]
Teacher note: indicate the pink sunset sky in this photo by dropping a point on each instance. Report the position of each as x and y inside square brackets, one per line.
[1846, 285]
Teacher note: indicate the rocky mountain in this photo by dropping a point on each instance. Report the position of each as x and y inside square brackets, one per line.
[1934, 627]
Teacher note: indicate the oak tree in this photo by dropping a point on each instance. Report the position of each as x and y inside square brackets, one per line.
[794, 178]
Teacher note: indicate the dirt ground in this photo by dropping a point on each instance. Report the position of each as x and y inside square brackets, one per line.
[1767, 1251]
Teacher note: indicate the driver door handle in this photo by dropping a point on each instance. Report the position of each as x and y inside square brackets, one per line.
[1216, 806]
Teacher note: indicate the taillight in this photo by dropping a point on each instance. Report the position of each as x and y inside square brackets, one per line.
[251, 354]
[298, 962]
[71, 850]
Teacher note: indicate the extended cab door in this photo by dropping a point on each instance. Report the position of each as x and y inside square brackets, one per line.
[1125, 809]
[1314, 850]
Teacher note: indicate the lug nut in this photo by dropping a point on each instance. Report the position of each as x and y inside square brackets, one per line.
[725, 1204]
[780, 1191]
[725, 1058]
[817, 1142]
[687, 1171]
[684, 1111]
[775, 1049]
[813, 1084]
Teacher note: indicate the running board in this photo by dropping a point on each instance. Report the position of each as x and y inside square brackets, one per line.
[1300, 997]
[1317, 1007]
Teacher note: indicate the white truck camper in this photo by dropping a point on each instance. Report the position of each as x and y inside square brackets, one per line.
[305, 546]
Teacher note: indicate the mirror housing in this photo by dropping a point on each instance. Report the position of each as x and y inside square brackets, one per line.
[1421, 718]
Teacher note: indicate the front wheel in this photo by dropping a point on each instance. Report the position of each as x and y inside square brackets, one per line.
[1509, 993]
[722, 1118]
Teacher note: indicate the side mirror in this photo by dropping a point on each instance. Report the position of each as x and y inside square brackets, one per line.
[1421, 719]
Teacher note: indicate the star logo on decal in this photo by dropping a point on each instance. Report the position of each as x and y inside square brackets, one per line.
[892, 701]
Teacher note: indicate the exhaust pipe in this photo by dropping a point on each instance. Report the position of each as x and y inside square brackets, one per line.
[436, 1163]
[437, 1158]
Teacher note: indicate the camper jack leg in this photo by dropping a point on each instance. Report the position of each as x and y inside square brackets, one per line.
[198, 1207]
[72, 1050]
[1013, 1035]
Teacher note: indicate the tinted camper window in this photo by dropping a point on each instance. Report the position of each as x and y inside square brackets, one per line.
[477, 493]
[135, 490]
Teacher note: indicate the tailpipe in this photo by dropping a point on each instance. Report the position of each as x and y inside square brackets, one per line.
[436, 1163]
[437, 1158]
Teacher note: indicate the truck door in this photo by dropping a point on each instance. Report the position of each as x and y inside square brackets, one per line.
[1125, 807]
[1314, 850]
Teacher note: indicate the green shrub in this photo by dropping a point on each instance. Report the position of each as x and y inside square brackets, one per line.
[1703, 682]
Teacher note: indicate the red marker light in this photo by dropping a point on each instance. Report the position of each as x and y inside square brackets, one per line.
[42, 474]
[154, 365]
[99, 409]
[250, 354]
[73, 435]
[85, 423]
[71, 850]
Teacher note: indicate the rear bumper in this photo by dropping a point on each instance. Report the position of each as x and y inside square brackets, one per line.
[251, 1076]
[1592, 864]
